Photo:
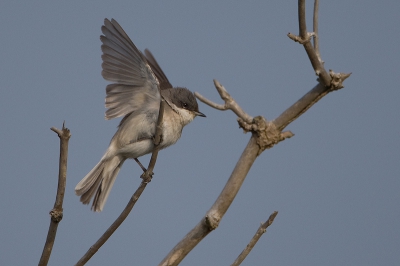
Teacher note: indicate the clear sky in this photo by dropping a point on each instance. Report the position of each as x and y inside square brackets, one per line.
[336, 184]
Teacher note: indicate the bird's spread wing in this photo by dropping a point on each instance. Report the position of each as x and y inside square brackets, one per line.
[135, 83]
[164, 82]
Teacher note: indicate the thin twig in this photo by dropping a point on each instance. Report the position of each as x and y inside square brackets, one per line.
[261, 230]
[315, 29]
[304, 38]
[302, 19]
[56, 213]
[230, 103]
[121, 218]
[146, 178]
[328, 81]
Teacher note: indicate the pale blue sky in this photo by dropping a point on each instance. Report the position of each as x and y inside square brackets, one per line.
[336, 184]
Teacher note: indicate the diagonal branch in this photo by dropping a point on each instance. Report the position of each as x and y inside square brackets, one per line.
[146, 178]
[261, 230]
[56, 213]
[265, 134]
[217, 211]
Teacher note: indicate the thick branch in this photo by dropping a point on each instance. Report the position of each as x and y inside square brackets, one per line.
[299, 107]
[56, 213]
[264, 135]
[217, 211]
[261, 230]
[146, 178]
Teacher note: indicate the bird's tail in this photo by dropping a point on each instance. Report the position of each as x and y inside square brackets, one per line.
[99, 181]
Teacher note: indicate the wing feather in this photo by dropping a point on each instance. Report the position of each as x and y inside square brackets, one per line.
[136, 85]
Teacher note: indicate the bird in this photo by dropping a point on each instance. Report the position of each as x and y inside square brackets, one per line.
[139, 85]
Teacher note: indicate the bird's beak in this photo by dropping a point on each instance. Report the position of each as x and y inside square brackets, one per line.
[197, 113]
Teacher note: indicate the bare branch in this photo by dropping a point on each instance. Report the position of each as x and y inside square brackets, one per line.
[261, 230]
[328, 82]
[302, 19]
[56, 213]
[230, 103]
[299, 107]
[210, 103]
[337, 79]
[315, 28]
[304, 39]
[267, 133]
[146, 178]
[121, 218]
[219, 208]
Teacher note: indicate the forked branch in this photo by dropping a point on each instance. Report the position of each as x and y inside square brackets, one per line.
[265, 134]
[229, 102]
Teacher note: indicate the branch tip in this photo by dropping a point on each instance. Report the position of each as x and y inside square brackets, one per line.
[230, 103]
[337, 79]
[260, 231]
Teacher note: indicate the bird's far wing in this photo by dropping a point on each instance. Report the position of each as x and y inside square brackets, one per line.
[162, 78]
[135, 83]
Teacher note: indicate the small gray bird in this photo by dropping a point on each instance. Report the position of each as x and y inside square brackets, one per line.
[134, 95]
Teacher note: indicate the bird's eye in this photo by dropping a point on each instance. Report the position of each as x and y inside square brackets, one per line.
[185, 105]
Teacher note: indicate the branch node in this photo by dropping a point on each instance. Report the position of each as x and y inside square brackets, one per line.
[146, 176]
[56, 215]
[211, 222]
[63, 133]
[267, 133]
[337, 80]
[299, 39]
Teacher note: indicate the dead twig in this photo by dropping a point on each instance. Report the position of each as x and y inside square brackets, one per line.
[230, 103]
[261, 230]
[56, 214]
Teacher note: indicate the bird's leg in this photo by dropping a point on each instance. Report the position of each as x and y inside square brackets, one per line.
[140, 164]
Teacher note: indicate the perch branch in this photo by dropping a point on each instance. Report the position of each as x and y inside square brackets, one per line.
[146, 178]
[261, 230]
[56, 213]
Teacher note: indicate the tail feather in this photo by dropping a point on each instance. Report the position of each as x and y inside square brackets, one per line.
[105, 187]
[87, 182]
[87, 196]
[98, 182]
